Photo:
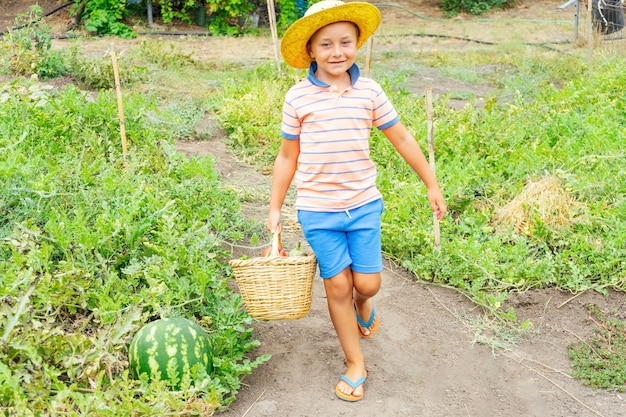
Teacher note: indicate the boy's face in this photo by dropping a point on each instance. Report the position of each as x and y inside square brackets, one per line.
[333, 47]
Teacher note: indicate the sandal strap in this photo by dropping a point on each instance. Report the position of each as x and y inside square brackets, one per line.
[352, 383]
[369, 322]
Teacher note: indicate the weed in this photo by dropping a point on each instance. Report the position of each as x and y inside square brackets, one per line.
[164, 54]
[97, 73]
[599, 361]
[26, 50]
[476, 7]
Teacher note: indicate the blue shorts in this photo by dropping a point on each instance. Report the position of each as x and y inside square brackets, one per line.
[345, 238]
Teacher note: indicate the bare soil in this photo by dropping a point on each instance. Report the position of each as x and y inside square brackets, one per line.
[434, 354]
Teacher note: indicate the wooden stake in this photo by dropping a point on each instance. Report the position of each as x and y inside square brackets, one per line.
[272, 18]
[431, 154]
[120, 108]
[590, 39]
[368, 57]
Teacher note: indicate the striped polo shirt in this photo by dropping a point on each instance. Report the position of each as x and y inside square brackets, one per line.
[335, 171]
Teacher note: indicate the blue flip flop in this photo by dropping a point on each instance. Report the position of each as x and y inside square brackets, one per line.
[373, 322]
[354, 384]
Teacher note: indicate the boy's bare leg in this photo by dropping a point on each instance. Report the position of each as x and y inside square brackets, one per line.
[365, 287]
[339, 291]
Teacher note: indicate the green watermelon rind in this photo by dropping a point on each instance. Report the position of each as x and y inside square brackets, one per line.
[158, 350]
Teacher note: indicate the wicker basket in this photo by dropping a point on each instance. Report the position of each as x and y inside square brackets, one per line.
[276, 287]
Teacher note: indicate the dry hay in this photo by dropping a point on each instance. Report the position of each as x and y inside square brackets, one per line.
[545, 201]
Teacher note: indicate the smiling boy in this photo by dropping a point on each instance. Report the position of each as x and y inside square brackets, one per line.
[327, 121]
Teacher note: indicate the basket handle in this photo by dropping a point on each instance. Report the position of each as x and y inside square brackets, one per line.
[276, 244]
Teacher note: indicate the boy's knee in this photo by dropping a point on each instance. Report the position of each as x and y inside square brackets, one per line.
[367, 285]
[367, 291]
[340, 285]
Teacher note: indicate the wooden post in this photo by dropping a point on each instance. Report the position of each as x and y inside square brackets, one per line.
[120, 108]
[368, 57]
[271, 11]
[431, 155]
[589, 34]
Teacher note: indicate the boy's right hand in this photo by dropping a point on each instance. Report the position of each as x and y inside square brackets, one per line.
[437, 203]
[273, 222]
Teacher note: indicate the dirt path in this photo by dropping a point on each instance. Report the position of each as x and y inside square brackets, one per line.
[424, 362]
[433, 355]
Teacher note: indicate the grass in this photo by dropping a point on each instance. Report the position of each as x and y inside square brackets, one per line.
[599, 361]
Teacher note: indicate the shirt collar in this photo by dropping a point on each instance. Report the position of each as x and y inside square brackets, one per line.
[354, 72]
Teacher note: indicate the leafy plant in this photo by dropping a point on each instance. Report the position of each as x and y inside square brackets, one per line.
[227, 16]
[243, 112]
[90, 251]
[105, 17]
[224, 17]
[599, 360]
[177, 9]
[27, 50]
[97, 73]
[475, 7]
[289, 11]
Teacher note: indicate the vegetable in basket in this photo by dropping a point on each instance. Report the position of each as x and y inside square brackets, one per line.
[297, 251]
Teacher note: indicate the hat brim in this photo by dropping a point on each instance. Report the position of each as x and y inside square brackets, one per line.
[293, 46]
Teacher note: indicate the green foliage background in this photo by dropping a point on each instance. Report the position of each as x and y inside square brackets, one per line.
[221, 17]
[475, 7]
[91, 250]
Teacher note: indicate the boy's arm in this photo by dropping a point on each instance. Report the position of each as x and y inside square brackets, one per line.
[284, 170]
[409, 149]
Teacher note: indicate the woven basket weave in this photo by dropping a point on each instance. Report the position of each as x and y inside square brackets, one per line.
[276, 287]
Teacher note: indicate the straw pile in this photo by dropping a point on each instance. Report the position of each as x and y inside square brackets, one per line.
[545, 201]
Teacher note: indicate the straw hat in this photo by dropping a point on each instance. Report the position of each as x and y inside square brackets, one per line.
[294, 44]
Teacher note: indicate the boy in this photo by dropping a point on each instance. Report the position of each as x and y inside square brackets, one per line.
[327, 119]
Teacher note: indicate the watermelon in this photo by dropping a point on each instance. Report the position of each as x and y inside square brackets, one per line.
[169, 350]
